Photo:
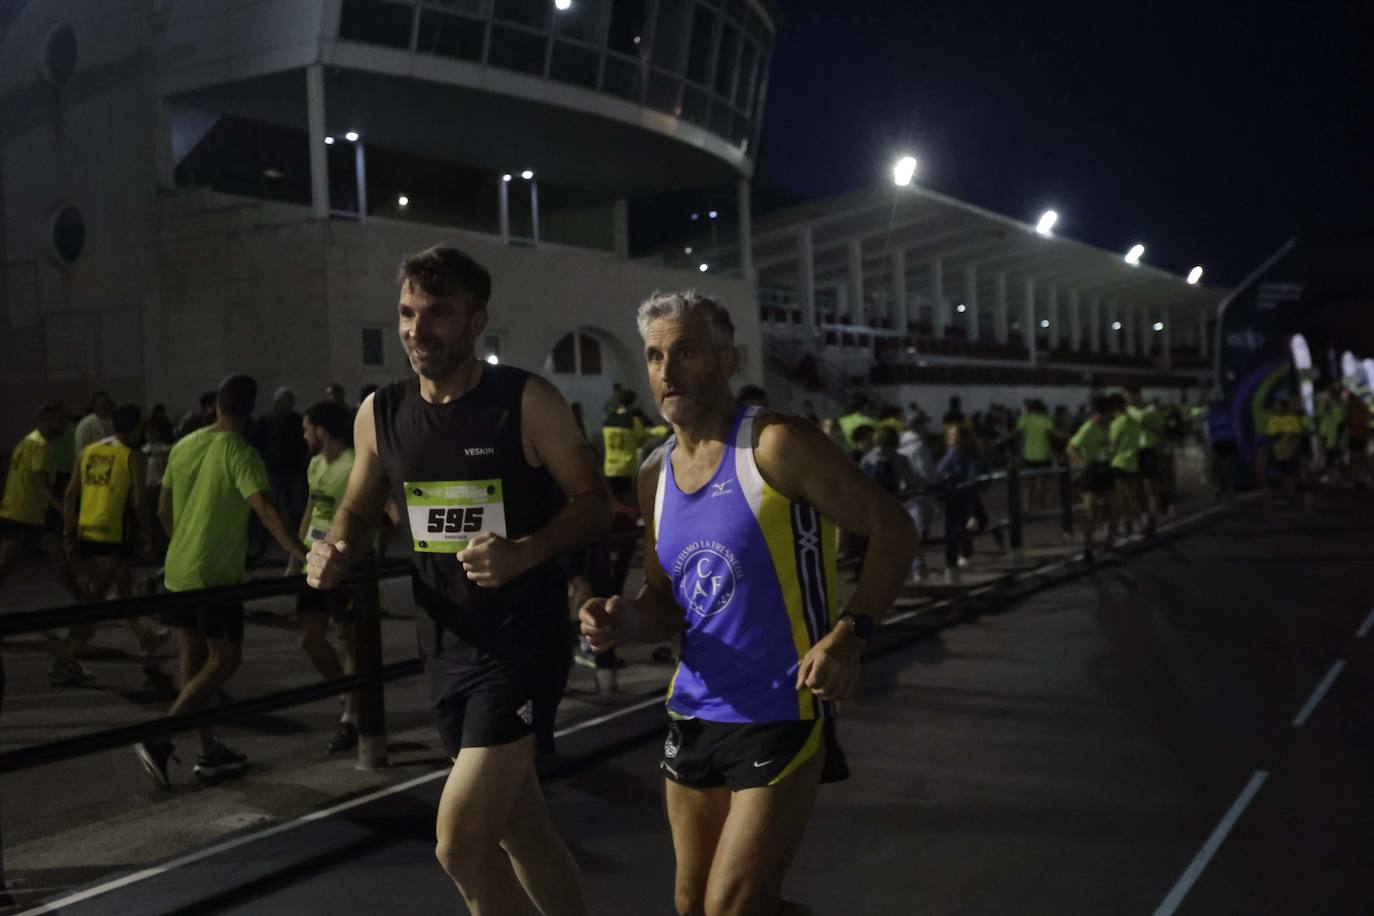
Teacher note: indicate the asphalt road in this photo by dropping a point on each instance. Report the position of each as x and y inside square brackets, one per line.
[1187, 730]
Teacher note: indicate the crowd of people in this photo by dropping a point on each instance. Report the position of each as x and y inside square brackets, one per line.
[522, 534]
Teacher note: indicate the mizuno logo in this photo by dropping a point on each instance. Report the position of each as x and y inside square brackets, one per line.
[479, 451]
[722, 488]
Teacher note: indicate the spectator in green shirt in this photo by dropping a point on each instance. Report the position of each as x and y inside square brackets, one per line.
[1036, 431]
[1149, 464]
[1090, 449]
[1125, 438]
[214, 478]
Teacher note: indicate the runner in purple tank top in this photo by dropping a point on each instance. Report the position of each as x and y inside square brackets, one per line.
[739, 560]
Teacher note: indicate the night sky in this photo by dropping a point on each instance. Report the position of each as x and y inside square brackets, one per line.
[1209, 131]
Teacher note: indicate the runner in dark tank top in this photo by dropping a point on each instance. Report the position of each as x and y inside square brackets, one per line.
[495, 482]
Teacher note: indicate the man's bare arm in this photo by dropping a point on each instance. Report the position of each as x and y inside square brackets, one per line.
[656, 617]
[550, 427]
[276, 525]
[71, 505]
[360, 510]
[800, 462]
[164, 509]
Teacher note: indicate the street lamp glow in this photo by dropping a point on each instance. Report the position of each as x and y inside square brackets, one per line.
[713, 214]
[1044, 322]
[527, 174]
[328, 141]
[351, 136]
[1194, 276]
[961, 308]
[493, 359]
[506, 177]
[403, 201]
[696, 216]
[904, 170]
[562, 5]
[1047, 221]
[703, 268]
[1133, 256]
[1159, 325]
[1116, 325]
[687, 250]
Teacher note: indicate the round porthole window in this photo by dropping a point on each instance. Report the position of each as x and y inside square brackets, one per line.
[59, 54]
[68, 235]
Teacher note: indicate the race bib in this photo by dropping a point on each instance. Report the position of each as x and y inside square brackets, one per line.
[446, 514]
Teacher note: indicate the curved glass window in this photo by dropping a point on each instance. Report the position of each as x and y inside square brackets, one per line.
[628, 19]
[671, 34]
[701, 54]
[532, 13]
[451, 36]
[517, 49]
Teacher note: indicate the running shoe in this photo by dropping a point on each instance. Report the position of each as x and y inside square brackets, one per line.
[154, 756]
[220, 762]
[345, 739]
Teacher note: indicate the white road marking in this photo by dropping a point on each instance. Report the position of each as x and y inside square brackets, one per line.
[227, 845]
[1209, 849]
[1366, 626]
[1320, 692]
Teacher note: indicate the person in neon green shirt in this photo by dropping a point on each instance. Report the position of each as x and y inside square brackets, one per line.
[1148, 460]
[1285, 429]
[214, 478]
[860, 414]
[1125, 438]
[325, 428]
[28, 497]
[109, 480]
[1036, 430]
[1090, 448]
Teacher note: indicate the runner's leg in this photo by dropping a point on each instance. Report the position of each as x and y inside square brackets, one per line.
[474, 812]
[759, 840]
[543, 865]
[696, 818]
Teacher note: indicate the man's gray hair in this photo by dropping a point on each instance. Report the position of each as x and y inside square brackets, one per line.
[675, 306]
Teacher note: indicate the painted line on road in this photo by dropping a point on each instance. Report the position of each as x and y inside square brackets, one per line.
[227, 845]
[1320, 692]
[1209, 849]
[1365, 627]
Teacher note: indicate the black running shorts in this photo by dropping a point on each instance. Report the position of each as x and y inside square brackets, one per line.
[28, 535]
[1148, 463]
[708, 755]
[1099, 477]
[220, 619]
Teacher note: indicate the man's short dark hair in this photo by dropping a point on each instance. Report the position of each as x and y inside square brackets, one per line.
[445, 271]
[333, 417]
[887, 437]
[127, 418]
[367, 389]
[1102, 404]
[237, 396]
[751, 394]
[209, 399]
[50, 409]
[626, 397]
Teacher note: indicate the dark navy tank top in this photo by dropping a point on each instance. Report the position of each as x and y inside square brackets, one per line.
[456, 469]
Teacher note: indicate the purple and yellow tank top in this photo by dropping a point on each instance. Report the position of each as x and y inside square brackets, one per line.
[755, 574]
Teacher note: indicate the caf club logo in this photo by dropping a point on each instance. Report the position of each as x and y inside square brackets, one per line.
[708, 574]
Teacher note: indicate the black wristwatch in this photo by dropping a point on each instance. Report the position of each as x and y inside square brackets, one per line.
[862, 623]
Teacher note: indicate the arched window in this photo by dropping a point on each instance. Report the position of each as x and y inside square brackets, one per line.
[578, 353]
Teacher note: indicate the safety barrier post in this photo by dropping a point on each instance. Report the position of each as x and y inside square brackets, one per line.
[1016, 518]
[1066, 502]
[367, 634]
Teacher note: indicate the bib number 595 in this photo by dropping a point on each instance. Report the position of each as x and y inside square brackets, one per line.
[457, 520]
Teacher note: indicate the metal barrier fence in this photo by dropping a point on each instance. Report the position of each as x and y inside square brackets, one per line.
[368, 680]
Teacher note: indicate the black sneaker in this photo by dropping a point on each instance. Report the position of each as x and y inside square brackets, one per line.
[154, 756]
[345, 739]
[220, 762]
